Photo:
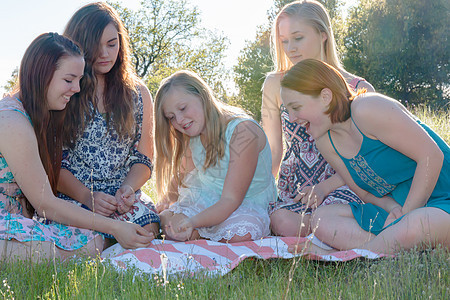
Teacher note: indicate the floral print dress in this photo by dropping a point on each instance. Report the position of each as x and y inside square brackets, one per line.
[101, 160]
[15, 225]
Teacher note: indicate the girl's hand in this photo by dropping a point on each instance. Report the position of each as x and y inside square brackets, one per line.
[102, 203]
[125, 198]
[311, 196]
[181, 231]
[394, 214]
[132, 236]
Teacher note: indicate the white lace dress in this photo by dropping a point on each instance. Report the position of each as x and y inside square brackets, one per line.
[203, 188]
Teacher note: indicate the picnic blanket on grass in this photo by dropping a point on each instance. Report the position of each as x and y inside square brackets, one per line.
[171, 257]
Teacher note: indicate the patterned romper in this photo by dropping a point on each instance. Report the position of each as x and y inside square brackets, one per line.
[303, 166]
[13, 223]
[101, 161]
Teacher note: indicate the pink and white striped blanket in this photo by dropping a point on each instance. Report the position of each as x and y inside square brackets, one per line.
[214, 258]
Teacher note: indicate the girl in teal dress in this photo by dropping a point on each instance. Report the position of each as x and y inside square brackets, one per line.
[213, 165]
[396, 164]
[30, 158]
[301, 30]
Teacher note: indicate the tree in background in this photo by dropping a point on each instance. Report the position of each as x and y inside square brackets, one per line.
[13, 81]
[253, 64]
[166, 36]
[401, 47]
[255, 60]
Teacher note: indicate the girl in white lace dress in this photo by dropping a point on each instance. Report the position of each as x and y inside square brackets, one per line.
[213, 165]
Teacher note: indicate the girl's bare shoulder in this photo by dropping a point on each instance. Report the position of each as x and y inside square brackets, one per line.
[273, 80]
[373, 103]
[145, 93]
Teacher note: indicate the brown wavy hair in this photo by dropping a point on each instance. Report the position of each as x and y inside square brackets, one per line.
[311, 76]
[38, 65]
[86, 28]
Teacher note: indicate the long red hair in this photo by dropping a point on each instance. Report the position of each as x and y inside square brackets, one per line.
[311, 76]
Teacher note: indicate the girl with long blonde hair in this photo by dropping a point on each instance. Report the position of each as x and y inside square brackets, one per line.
[212, 165]
[301, 30]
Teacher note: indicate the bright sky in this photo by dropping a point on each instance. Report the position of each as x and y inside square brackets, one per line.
[23, 20]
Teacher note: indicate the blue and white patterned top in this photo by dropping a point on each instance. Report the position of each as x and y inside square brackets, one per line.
[100, 159]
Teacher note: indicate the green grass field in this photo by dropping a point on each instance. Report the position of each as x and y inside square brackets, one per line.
[410, 275]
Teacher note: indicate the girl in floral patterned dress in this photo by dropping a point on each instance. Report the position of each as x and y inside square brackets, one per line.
[108, 131]
[30, 157]
[301, 30]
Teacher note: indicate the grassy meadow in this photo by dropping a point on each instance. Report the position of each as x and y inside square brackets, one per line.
[410, 275]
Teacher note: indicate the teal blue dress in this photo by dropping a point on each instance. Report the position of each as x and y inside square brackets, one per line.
[383, 171]
[203, 188]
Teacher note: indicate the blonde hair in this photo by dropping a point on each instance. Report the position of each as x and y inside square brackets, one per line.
[171, 145]
[317, 16]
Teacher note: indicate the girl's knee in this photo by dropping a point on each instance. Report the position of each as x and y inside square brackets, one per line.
[320, 214]
[279, 222]
[329, 212]
[424, 227]
[284, 222]
[326, 220]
